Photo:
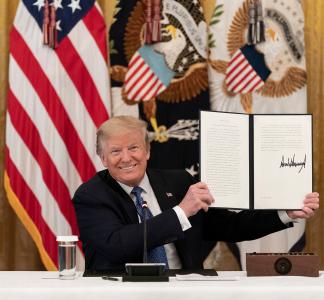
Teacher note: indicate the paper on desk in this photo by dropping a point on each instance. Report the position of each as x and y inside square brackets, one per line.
[199, 277]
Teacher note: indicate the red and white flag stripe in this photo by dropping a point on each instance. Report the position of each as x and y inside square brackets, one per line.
[141, 84]
[56, 100]
[240, 75]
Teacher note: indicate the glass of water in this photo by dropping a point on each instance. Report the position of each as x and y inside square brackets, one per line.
[67, 256]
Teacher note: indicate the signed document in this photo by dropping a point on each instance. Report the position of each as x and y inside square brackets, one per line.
[256, 161]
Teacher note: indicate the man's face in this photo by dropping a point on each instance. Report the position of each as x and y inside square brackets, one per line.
[125, 156]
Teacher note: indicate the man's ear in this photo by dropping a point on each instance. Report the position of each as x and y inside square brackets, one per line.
[148, 152]
[103, 160]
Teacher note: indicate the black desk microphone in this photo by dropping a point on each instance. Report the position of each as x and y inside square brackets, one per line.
[145, 271]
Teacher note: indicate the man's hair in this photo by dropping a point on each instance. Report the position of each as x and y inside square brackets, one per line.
[120, 124]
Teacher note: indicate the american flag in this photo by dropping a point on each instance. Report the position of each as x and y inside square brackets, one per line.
[246, 71]
[148, 75]
[57, 98]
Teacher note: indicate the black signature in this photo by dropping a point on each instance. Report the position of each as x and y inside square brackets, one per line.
[291, 163]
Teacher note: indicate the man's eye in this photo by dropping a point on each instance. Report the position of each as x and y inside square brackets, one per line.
[133, 148]
[115, 151]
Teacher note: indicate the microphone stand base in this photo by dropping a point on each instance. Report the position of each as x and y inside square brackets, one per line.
[146, 272]
[145, 278]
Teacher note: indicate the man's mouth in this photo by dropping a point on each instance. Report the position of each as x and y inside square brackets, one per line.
[128, 168]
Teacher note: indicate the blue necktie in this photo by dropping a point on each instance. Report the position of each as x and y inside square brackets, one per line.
[156, 255]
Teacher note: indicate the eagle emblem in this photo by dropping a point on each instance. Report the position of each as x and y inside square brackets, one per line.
[283, 52]
[184, 48]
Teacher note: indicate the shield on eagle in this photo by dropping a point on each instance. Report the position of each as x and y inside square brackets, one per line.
[148, 75]
[247, 71]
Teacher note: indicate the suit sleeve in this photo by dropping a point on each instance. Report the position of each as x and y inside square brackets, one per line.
[105, 229]
[224, 225]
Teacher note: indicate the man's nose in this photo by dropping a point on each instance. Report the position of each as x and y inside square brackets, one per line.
[125, 155]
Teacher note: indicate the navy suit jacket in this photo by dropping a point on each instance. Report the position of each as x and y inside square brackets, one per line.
[112, 235]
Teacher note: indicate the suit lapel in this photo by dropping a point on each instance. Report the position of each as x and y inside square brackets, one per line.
[124, 200]
[165, 198]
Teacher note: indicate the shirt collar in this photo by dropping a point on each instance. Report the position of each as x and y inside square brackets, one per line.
[144, 184]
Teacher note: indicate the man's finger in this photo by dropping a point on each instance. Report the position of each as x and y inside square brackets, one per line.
[309, 212]
[312, 205]
[312, 195]
[201, 185]
[208, 200]
[205, 207]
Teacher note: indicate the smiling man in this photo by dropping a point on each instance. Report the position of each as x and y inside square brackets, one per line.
[109, 208]
[124, 151]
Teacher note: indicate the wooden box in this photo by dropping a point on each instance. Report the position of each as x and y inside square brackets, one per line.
[282, 264]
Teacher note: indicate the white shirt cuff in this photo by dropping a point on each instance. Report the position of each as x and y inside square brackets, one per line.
[283, 216]
[185, 224]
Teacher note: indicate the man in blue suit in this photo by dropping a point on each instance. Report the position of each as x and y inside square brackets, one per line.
[108, 208]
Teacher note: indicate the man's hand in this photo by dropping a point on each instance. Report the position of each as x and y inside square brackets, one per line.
[311, 204]
[198, 197]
